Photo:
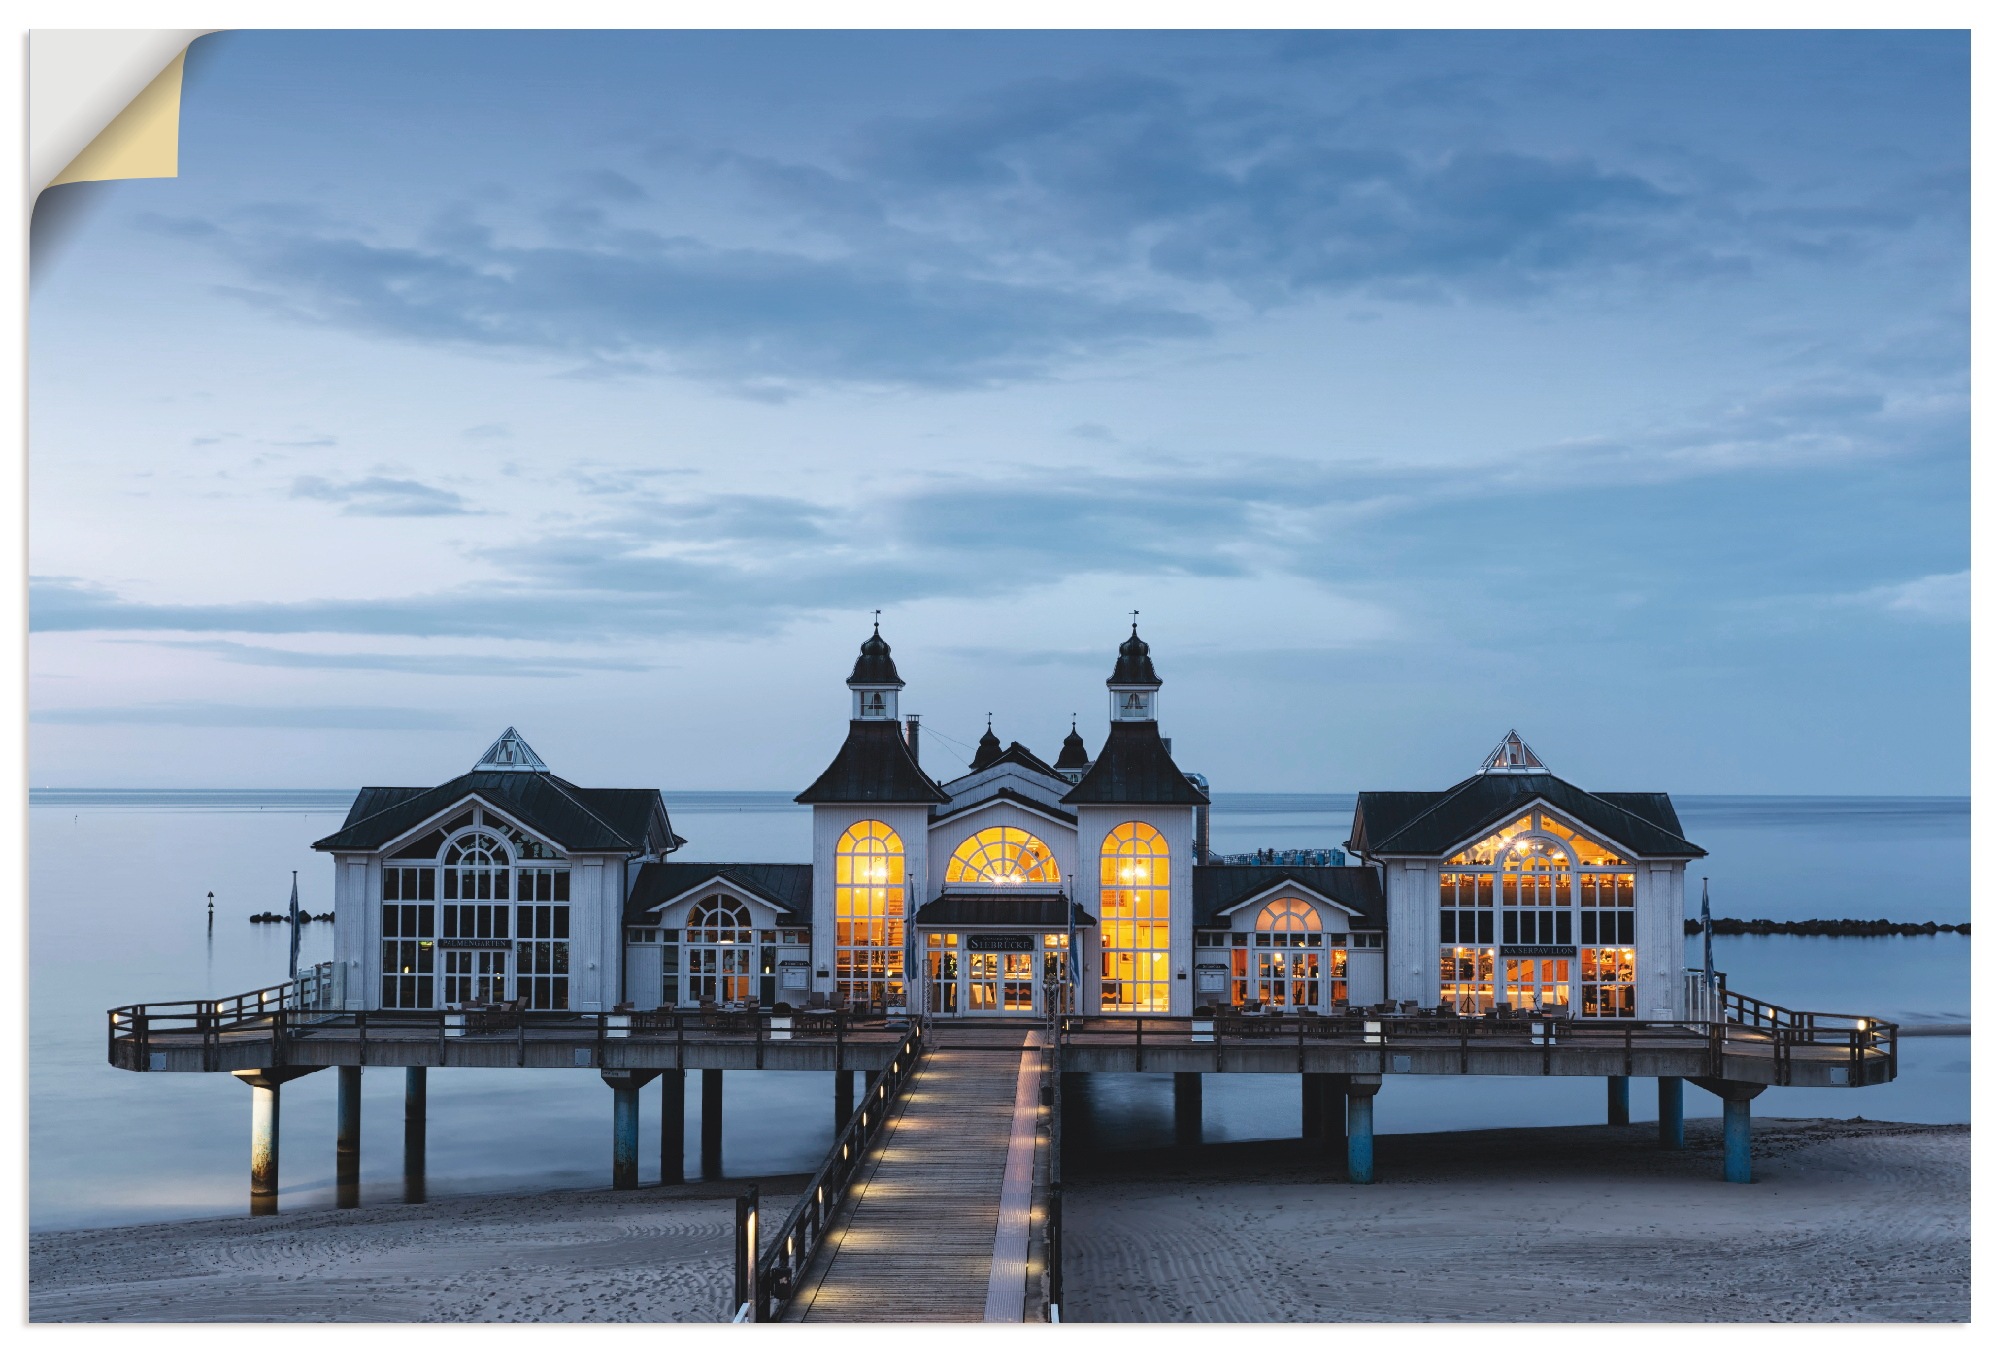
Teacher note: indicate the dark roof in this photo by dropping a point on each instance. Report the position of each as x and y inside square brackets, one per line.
[1034, 912]
[1135, 767]
[1016, 754]
[987, 751]
[1012, 795]
[1429, 824]
[631, 820]
[874, 766]
[1135, 663]
[789, 887]
[1074, 755]
[1217, 887]
[875, 666]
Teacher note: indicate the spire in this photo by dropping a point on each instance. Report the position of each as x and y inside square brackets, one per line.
[1512, 756]
[1074, 755]
[510, 753]
[989, 748]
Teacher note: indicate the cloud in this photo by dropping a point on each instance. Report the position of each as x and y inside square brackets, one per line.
[1940, 598]
[417, 664]
[200, 714]
[377, 496]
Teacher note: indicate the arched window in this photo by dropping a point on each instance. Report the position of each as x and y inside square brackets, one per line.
[868, 915]
[1135, 873]
[1004, 856]
[720, 950]
[1288, 915]
[476, 868]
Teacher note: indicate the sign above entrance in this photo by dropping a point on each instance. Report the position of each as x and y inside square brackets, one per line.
[1001, 943]
[1536, 951]
[480, 945]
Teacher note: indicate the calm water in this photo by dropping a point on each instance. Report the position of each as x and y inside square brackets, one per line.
[118, 883]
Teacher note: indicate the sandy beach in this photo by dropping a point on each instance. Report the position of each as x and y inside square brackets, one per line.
[1848, 1220]
[656, 1255]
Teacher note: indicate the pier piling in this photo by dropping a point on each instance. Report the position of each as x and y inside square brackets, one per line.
[843, 1098]
[414, 1112]
[347, 1136]
[265, 1085]
[1312, 1109]
[1618, 1100]
[1361, 1091]
[673, 1126]
[711, 1124]
[624, 1136]
[1187, 1108]
[1673, 1133]
[1735, 1096]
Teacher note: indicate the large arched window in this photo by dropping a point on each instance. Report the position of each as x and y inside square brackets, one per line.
[1003, 856]
[721, 951]
[868, 915]
[1135, 875]
[475, 868]
[1288, 915]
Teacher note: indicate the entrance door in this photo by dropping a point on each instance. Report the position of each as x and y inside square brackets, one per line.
[1288, 978]
[1538, 983]
[982, 982]
[475, 976]
[1017, 983]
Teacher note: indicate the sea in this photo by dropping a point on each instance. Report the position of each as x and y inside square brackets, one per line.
[119, 884]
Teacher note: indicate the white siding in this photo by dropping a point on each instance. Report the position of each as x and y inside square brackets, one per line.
[357, 928]
[644, 985]
[1364, 976]
[1661, 903]
[1412, 971]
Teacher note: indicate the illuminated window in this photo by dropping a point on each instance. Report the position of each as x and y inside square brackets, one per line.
[1465, 979]
[1587, 851]
[1535, 894]
[1003, 856]
[1134, 873]
[1288, 915]
[1487, 850]
[1538, 983]
[720, 953]
[868, 915]
[1608, 979]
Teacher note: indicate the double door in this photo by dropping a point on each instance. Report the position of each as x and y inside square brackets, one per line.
[477, 976]
[1002, 983]
[1538, 983]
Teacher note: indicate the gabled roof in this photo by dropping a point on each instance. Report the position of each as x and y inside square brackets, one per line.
[632, 821]
[874, 765]
[1135, 767]
[1429, 825]
[1016, 754]
[1220, 887]
[786, 886]
[959, 809]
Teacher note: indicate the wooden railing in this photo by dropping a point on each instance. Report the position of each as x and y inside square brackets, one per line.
[290, 1011]
[799, 1236]
[1052, 1213]
[1868, 1041]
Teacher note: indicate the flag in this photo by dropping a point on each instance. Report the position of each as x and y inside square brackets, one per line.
[1707, 939]
[295, 924]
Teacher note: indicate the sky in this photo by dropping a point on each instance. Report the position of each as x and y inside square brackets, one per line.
[1411, 387]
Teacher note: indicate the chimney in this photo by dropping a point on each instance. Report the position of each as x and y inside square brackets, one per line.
[1168, 742]
[910, 736]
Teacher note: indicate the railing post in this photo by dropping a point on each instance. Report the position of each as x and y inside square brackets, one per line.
[361, 1036]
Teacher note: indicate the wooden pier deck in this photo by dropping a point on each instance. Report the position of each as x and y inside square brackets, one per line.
[937, 1228]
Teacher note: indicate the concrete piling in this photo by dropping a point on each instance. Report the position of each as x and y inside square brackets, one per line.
[624, 1136]
[1735, 1096]
[263, 1148]
[1618, 1100]
[1673, 1132]
[711, 1124]
[347, 1137]
[843, 1098]
[1361, 1091]
[1187, 1108]
[673, 1126]
[415, 1109]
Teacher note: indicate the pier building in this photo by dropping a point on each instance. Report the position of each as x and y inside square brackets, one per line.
[1023, 919]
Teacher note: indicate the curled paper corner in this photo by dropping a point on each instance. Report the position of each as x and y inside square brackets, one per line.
[105, 104]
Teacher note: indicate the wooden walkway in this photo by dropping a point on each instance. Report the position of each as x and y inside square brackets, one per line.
[937, 1229]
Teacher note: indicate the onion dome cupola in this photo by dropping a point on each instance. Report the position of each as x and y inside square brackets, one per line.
[1075, 757]
[988, 750]
[874, 680]
[1134, 685]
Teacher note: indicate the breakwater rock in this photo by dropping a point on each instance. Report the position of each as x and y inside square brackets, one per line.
[1840, 929]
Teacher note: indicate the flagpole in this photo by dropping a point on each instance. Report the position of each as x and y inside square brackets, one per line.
[1707, 939]
[295, 924]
